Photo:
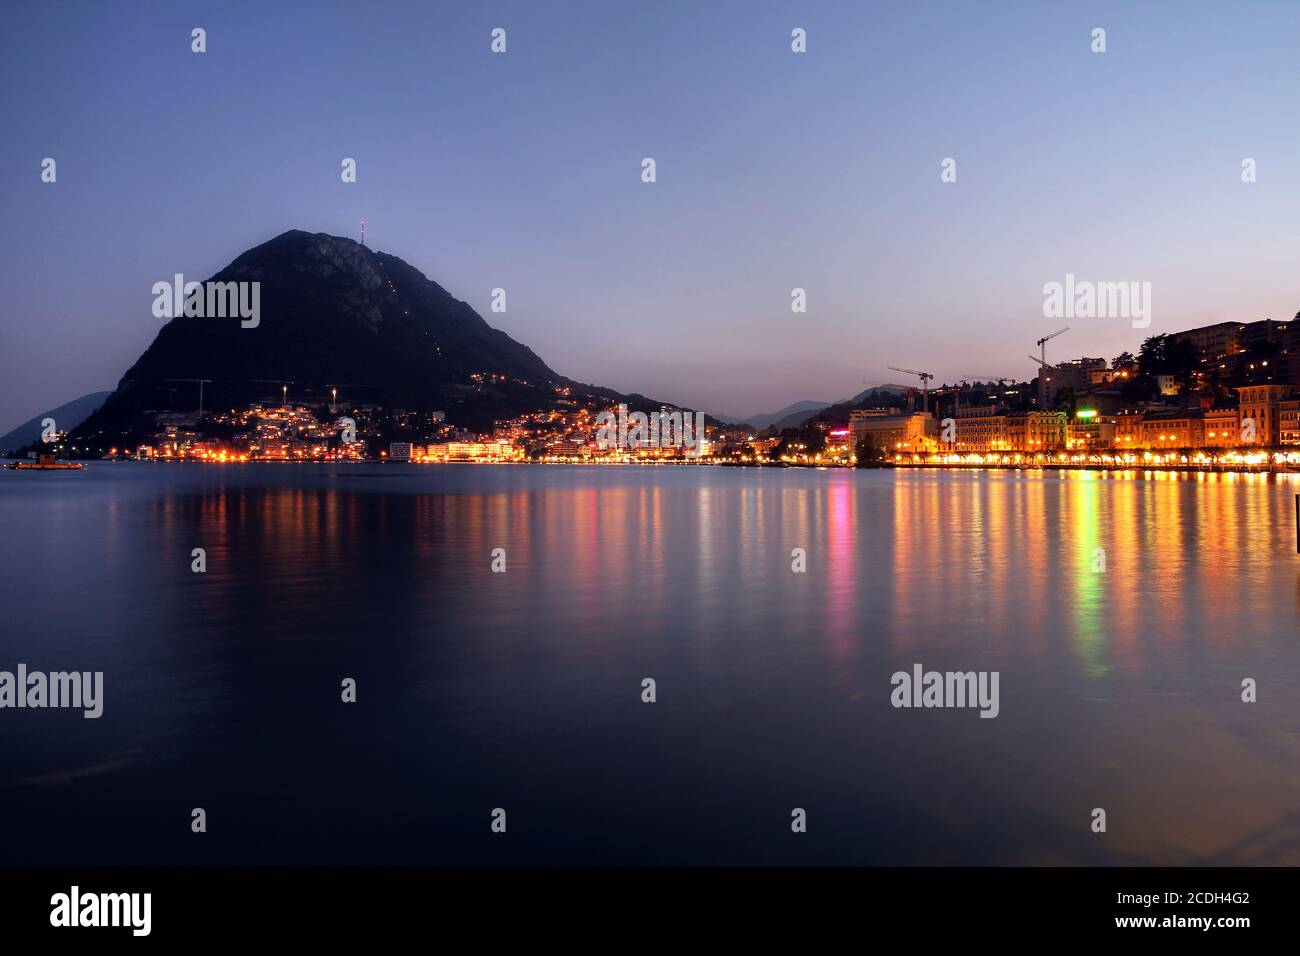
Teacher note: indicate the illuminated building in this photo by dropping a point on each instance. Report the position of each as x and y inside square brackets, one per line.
[1109, 376]
[911, 432]
[1288, 421]
[1172, 429]
[1168, 384]
[1090, 431]
[981, 428]
[1128, 425]
[1034, 432]
[1222, 428]
[1212, 342]
[1260, 402]
[1076, 374]
[1216, 345]
[472, 451]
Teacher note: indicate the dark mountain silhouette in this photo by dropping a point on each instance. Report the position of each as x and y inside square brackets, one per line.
[802, 409]
[833, 411]
[66, 417]
[334, 312]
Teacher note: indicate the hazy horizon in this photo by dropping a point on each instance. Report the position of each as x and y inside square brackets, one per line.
[775, 170]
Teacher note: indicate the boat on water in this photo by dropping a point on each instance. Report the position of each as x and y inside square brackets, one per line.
[45, 461]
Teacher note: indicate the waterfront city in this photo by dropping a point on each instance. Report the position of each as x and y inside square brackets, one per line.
[1218, 397]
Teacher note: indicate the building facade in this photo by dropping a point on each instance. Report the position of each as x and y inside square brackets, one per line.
[1259, 413]
[894, 433]
[1031, 433]
[981, 429]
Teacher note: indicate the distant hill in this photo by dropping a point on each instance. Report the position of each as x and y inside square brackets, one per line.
[334, 312]
[800, 412]
[66, 417]
[886, 387]
[874, 397]
[760, 422]
[795, 419]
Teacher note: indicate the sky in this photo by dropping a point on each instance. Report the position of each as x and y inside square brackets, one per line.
[775, 170]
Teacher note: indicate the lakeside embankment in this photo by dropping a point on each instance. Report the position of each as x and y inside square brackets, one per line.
[1091, 466]
[1277, 467]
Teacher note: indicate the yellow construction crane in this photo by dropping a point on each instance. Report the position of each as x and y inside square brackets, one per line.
[925, 388]
[1042, 343]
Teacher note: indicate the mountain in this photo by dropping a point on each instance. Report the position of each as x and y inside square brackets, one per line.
[800, 412]
[795, 419]
[760, 422]
[877, 396]
[337, 313]
[66, 417]
[894, 389]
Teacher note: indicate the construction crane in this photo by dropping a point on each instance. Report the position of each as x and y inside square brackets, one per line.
[925, 388]
[200, 381]
[1042, 344]
[1044, 379]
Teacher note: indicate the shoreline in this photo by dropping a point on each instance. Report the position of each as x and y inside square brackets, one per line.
[1271, 468]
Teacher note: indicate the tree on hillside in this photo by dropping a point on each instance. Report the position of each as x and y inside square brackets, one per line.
[1151, 356]
[1162, 355]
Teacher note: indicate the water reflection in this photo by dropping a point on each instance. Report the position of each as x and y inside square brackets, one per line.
[1120, 686]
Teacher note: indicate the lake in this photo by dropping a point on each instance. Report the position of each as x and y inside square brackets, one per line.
[1120, 689]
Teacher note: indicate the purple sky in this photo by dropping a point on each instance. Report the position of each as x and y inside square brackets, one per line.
[775, 170]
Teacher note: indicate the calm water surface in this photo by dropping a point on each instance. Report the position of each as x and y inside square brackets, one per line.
[522, 690]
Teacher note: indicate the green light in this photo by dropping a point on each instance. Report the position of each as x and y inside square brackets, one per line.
[1087, 413]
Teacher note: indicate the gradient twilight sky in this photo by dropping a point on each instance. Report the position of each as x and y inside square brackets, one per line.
[775, 170]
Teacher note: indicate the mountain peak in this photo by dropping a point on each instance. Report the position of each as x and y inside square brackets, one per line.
[334, 312]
